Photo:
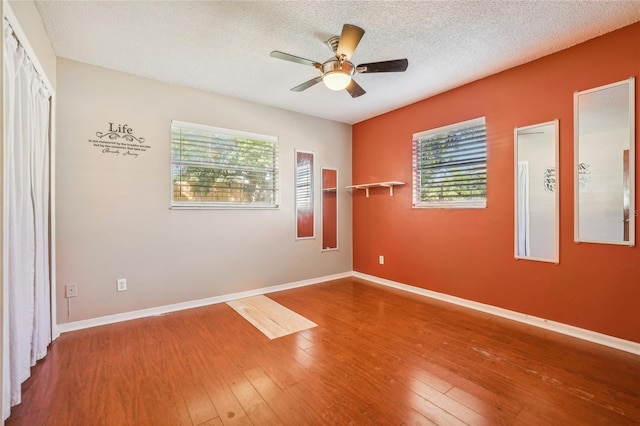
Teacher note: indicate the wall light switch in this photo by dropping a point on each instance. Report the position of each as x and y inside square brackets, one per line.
[381, 260]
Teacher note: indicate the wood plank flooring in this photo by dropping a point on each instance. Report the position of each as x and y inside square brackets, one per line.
[270, 317]
[377, 357]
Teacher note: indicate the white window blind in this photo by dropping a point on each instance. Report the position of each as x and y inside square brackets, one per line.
[450, 166]
[215, 167]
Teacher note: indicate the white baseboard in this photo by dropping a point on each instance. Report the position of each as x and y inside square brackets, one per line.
[569, 330]
[160, 310]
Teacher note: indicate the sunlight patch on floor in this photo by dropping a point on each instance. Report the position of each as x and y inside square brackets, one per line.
[270, 317]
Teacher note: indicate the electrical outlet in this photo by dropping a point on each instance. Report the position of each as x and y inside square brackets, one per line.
[70, 290]
[122, 284]
[381, 260]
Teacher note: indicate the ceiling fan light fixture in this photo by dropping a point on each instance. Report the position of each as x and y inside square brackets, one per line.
[336, 74]
[336, 80]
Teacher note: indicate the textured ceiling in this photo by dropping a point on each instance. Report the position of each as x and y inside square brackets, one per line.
[224, 47]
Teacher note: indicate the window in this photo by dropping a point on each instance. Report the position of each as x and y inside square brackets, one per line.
[214, 167]
[450, 166]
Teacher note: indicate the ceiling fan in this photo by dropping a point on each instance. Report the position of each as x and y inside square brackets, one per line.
[337, 72]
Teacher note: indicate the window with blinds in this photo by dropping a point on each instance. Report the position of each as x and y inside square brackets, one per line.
[214, 167]
[450, 166]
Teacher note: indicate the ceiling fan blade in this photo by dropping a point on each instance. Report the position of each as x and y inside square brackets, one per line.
[292, 58]
[397, 65]
[349, 40]
[354, 89]
[307, 84]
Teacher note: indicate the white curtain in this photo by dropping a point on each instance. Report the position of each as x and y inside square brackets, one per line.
[27, 309]
[523, 209]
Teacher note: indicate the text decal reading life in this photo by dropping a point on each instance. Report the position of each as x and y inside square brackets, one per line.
[120, 141]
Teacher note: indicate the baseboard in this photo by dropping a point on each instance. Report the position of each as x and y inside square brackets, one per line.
[160, 310]
[569, 330]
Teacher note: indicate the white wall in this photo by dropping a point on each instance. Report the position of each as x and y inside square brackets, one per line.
[113, 215]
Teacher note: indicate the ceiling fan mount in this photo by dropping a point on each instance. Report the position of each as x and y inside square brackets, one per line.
[337, 72]
[333, 43]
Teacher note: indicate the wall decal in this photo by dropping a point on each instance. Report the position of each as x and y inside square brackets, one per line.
[584, 174]
[550, 179]
[119, 140]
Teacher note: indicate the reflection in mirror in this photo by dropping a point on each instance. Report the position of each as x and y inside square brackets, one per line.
[537, 192]
[329, 209]
[304, 195]
[604, 164]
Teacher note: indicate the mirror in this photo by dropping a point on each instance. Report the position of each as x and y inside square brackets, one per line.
[329, 209]
[537, 192]
[304, 195]
[605, 164]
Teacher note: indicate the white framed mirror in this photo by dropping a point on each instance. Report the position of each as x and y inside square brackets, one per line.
[537, 199]
[605, 164]
[305, 228]
[329, 208]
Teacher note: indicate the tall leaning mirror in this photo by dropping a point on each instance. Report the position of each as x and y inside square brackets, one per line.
[537, 192]
[304, 195]
[329, 209]
[604, 164]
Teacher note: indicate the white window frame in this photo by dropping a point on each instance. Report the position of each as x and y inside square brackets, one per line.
[220, 204]
[417, 202]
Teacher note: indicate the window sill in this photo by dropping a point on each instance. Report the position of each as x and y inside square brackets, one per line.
[479, 204]
[222, 207]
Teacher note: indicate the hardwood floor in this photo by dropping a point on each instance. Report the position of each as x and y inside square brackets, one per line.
[378, 356]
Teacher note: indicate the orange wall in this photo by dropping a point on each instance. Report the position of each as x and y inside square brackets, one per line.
[469, 253]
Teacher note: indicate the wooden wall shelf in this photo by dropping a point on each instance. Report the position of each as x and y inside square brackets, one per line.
[389, 184]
